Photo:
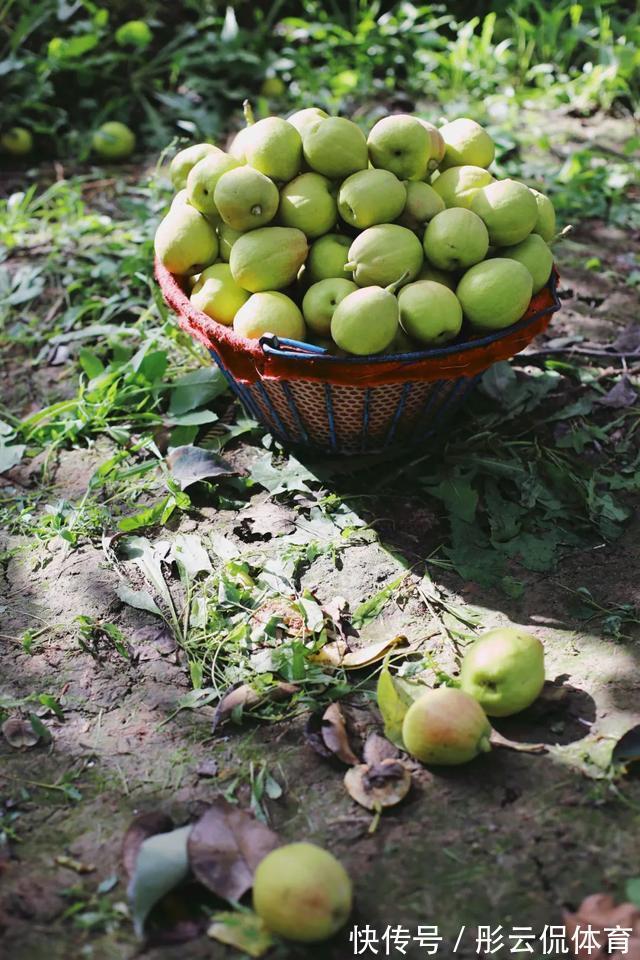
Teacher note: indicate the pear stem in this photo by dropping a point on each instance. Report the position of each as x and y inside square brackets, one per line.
[350, 266]
[397, 283]
[497, 740]
[247, 109]
[562, 234]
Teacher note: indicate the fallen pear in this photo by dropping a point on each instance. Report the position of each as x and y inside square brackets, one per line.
[446, 727]
[504, 671]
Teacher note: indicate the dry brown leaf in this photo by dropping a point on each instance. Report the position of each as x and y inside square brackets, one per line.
[380, 785]
[378, 748]
[225, 846]
[76, 865]
[338, 654]
[497, 740]
[265, 520]
[335, 736]
[281, 608]
[599, 911]
[19, 733]
[145, 826]
[245, 697]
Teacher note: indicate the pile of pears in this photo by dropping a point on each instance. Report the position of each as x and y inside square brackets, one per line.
[307, 229]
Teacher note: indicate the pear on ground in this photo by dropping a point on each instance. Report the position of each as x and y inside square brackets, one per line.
[401, 144]
[269, 312]
[185, 242]
[17, 141]
[113, 141]
[308, 203]
[535, 255]
[545, 223]
[446, 727]
[268, 258]
[335, 147]
[429, 312]
[421, 206]
[371, 196]
[274, 147]
[203, 178]
[185, 160]
[495, 293]
[466, 142]
[455, 239]
[428, 272]
[458, 185]
[508, 209]
[246, 199]
[227, 236]
[366, 321]
[437, 145]
[380, 254]
[217, 294]
[504, 671]
[328, 256]
[302, 893]
[303, 119]
[320, 302]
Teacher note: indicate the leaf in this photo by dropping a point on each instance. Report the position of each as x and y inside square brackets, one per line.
[19, 733]
[457, 494]
[140, 599]
[365, 656]
[162, 864]
[369, 610]
[225, 846]
[244, 697]
[393, 703]
[189, 465]
[290, 476]
[10, 456]
[377, 748]
[195, 389]
[622, 394]
[497, 380]
[382, 785]
[265, 520]
[145, 826]
[626, 751]
[190, 555]
[497, 740]
[243, 930]
[333, 730]
[632, 890]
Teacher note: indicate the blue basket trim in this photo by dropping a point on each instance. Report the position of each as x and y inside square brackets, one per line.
[294, 411]
[406, 389]
[332, 424]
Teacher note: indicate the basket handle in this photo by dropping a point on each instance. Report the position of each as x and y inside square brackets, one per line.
[273, 345]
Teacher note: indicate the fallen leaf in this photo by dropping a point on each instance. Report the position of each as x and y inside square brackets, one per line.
[75, 865]
[19, 733]
[161, 864]
[244, 697]
[626, 751]
[380, 785]
[190, 555]
[225, 847]
[207, 768]
[190, 464]
[365, 656]
[145, 826]
[333, 729]
[245, 931]
[338, 620]
[497, 740]
[600, 912]
[264, 521]
[393, 703]
[628, 341]
[622, 394]
[140, 599]
[377, 748]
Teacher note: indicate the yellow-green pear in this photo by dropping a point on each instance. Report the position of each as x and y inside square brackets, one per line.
[309, 204]
[185, 160]
[335, 147]
[203, 178]
[227, 236]
[545, 223]
[458, 185]
[320, 302]
[437, 145]
[495, 293]
[18, 141]
[455, 239]
[366, 321]
[303, 119]
[421, 206]
[185, 241]
[181, 198]
[113, 141]
[382, 253]
[371, 196]
[302, 893]
[245, 198]
[217, 294]
[274, 147]
[268, 258]
[508, 209]
[504, 671]
[402, 144]
[328, 256]
[438, 276]
[269, 312]
[535, 255]
[430, 312]
[446, 727]
[466, 142]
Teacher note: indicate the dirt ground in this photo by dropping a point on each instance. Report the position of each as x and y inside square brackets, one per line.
[509, 839]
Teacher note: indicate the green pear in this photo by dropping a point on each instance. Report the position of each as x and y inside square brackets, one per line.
[423, 203]
[303, 119]
[245, 198]
[202, 180]
[335, 147]
[380, 254]
[328, 256]
[508, 209]
[181, 198]
[17, 141]
[302, 893]
[320, 302]
[185, 160]
[226, 239]
[430, 312]
[466, 142]
[455, 239]
[268, 258]
[113, 141]
[495, 293]
[217, 294]
[309, 204]
[371, 196]
[366, 321]
[545, 223]
[185, 241]
[401, 144]
[437, 145]
[458, 185]
[446, 727]
[274, 147]
[269, 312]
[428, 272]
[536, 256]
[504, 671]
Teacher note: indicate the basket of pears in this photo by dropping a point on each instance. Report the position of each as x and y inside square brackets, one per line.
[353, 287]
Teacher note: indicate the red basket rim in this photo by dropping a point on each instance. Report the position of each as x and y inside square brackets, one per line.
[247, 361]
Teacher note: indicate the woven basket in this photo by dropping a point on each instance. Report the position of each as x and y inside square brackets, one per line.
[352, 405]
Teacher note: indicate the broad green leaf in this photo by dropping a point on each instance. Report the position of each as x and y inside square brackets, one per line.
[10, 456]
[140, 599]
[161, 865]
[372, 607]
[190, 555]
[393, 703]
[196, 389]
